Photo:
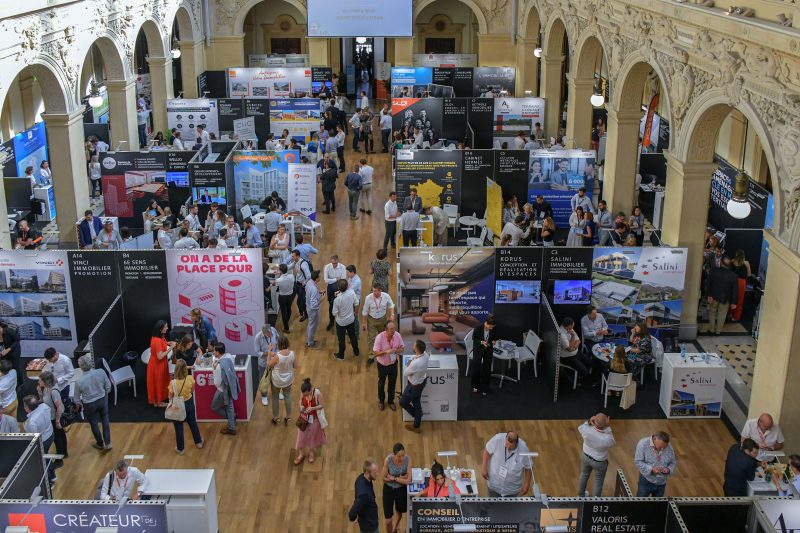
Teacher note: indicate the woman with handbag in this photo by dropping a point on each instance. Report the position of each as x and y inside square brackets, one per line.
[311, 423]
[49, 395]
[283, 363]
[181, 406]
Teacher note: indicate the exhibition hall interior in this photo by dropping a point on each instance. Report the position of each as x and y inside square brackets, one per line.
[560, 293]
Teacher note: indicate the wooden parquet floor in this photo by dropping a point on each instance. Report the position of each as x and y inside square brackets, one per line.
[258, 488]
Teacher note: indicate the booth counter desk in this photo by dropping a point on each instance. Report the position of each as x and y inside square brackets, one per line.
[440, 395]
[692, 387]
[191, 497]
[204, 390]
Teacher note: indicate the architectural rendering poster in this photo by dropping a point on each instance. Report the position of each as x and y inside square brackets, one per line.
[186, 114]
[557, 175]
[631, 284]
[302, 195]
[227, 285]
[436, 175]
[35, 300]
[291, 82]
[300, 116]
[514, 115]
[257, 173]
[130, 180]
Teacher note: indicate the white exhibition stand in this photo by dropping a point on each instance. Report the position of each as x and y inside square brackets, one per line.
[440, 396]
[692, 388]
[191, 497]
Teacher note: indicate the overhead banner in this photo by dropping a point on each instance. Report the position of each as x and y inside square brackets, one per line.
[291, 82]
[256, 174]
[484, 82]
[227, 285]
[36, 300]
[86, 517]
[130, 180]
[436, 174]
[445, 60]
[301, 116]
[186, 114]
[302, 195]
[277, 60]
[557, 175]
[514, 115]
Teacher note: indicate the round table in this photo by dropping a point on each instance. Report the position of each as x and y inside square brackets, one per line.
[146, 359]
[504, 351]
[605, 351]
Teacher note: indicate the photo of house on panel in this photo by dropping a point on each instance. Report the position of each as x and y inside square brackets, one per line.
[443, 293]
[577, 291]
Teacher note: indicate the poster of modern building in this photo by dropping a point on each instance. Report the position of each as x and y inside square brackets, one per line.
[257, 173]
[572, 291]
[517, 292]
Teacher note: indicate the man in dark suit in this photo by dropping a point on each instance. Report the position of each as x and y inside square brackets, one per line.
[10, 350]
[722, 291]
[483, 338]
[413, 201]
[740, 467]
[88, 229]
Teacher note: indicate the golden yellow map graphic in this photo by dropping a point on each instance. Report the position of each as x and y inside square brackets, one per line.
[430, 192]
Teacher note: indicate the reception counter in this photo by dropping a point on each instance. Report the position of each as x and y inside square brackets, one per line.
[204, 391]
[191, 498]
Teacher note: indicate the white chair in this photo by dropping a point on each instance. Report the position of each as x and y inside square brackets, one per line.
[529, 351]
[310, 226]
[120, 376]
[246, 211]
[615, 382]
[479, 241]
[468, 344]
[469, 229]
[451, 210]
[562, 366]
[657, 349]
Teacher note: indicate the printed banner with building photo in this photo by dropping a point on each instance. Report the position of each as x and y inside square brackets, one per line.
[514, 115]
[35, 301]
[557, 176]
[290, 82]
[130, 181]
[517, 291]
[443, 293]
[257, 173]
[631, 284]
[300, 116]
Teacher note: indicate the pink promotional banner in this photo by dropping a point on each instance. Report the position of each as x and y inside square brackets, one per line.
[226, 285]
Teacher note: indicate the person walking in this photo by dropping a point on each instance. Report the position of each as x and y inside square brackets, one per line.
[656, 461]
[183, 385]
[387, 347]
[48, 394]
[301, 270]
[312, 308]
[385, 123]
[283, 364]
[353, 182]
[390, 215]
[333, 272]
[312, 411]
[483, 338]
[227, 385]
[417, 374]
[396, 478]
[380, 268]
[378, 310]
[365, 198]
[597, 440]
[265, 342]
[344, 312]
[340, 136]
[355, 122]
[365, 507]
[506, 468]
[91, 395]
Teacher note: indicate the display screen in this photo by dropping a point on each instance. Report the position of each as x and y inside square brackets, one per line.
[517, 292]
[207, 195]
[178, 179]
[351, 18]
[572, 291]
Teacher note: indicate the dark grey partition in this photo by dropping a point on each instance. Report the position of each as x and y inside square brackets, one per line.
[22, 466]
[551, 345]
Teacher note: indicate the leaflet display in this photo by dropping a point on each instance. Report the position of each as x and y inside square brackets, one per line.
[378, 18]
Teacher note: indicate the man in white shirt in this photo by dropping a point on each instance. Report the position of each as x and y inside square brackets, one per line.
[119, 483]
[532, 145]
[365, 198]
[507, 471]
[165, 236]
[185, 242]
[285, 286]
[417, 375]
[385, 123]
[177, 142]
[101, 146]
[409, 221]
[390, 215]
[378, 309]
[519, 141]
[269, 144]
[340, 135]
[571, 354]
[63, 371]
[331, 274]
[581, 200]
[597, 440]
[593, 327]
[344, 311]
[202, 134]
[765, 432]
[38, 421]
[194, 218]
[515, 231]
[272, 220]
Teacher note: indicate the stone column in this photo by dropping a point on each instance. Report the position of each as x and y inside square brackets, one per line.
[403, 52]
[777, 368]
[621, 159]
[122, 113]
[225, 51]
[579, 112]
[28, 101]
[70, 182]
[192, 60]
[550, 90]
[318, 52]
[527, 68]
[685, 214]
[162, 90]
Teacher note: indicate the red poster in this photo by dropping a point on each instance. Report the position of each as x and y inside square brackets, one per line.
[648, 124]
[115, 196]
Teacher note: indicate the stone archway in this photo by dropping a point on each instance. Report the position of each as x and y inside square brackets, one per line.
[483, 27]
[554, 53]
[527, 62]
[588, 56]
[37, 85]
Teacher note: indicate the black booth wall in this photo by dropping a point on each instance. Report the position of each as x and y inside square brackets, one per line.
[521, 266]
[478, 165]
[143, 283]
[213, 84]
[567, 264]
[733, 517]
[511, 168]
[95, 284]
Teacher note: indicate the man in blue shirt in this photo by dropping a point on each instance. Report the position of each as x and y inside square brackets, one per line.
[271, 223]
[353, 182]
[204, 333]
[305, 249]
[89, 228]
[252, 237]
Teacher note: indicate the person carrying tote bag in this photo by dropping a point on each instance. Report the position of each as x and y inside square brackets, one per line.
[181, 406]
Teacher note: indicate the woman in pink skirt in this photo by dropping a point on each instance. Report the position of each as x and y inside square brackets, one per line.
[313, 436]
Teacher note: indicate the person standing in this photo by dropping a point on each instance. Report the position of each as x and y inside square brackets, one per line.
[142, 118]
[740, 467]
[119, 483]
[285, 285]
[183, 386]
[312, 308]
[63, 373]
[355, 122]
[312, 411]
[39, 421]
[333, 272]
[417, 375]
[11, 350]
[203, 330]
[353, 182]
[109, 238]
[506, 469]
[48, 394]
[265, 342]
[227, 385]
[91, 395]
[396, 478]
[365, 198]
[158, 365]
[413, 200]
[354, 284]
[637, 225]
[328, 185]
[483, 338]
[340, 136]
[378, 311]
[8, 388]
[390, 215]
[722, 289]
[283, 362]
[597, 440]
[365, 507]
[89, 228]
[385, 123]
[272, 221]
[344, 310]
[380, 268]
[655, 460]
[301, 271]
[387, 347]
[409, 221]
[440, 225]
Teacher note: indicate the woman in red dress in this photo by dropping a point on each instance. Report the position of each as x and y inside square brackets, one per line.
[158, 366]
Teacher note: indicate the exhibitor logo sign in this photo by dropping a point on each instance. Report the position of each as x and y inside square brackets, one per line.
[35, 522]
[109, 163]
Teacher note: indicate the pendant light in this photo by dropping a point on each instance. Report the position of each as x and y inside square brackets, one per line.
[738, 207]
[597, 98]
[537, 52]
[95, 100]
